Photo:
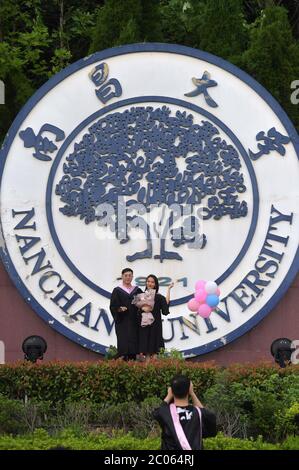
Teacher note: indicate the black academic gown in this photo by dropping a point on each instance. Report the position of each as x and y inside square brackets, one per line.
[169, 440]
[126, 323]
[150, 337]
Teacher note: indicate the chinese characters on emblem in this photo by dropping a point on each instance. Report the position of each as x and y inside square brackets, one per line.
[41, 144]
[106, 89]
[274, 140]
[201, 88]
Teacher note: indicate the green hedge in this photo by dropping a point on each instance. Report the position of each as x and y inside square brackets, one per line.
[257, 404]
[107, 381]
[40, 440]
[249, 400]
[118, 381]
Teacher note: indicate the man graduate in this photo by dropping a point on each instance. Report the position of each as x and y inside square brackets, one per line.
[183, 425]
[125, 316]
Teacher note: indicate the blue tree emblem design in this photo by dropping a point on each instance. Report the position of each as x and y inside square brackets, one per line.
[137, 154]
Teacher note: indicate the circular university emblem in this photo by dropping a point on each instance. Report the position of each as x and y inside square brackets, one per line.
[161, 158]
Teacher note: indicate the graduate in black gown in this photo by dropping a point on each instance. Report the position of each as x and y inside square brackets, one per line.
[181, 422]
[125, 316]
[150, 337]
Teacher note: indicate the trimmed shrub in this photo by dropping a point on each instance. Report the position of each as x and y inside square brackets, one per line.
[253, 407]
[221, 442]
[248, 401]
[11, 416]
[113, 381]
[41, 440]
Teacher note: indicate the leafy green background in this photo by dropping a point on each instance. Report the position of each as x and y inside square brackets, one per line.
[38, 39]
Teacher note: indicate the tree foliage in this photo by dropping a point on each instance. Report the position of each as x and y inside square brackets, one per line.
[126, 23]
[273, 56]
[38, 39]
[222, 28]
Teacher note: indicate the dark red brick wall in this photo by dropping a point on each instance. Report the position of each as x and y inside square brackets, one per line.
[18, 320]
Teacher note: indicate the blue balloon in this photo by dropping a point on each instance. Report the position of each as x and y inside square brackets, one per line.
[212, 300]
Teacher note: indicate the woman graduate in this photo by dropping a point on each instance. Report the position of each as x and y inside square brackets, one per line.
[125, 316]
[150, 336]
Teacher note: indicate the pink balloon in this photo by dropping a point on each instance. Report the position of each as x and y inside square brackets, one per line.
[218, 292]
[204, 311]
[193, 305]
[200, 284]
[200, 295]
